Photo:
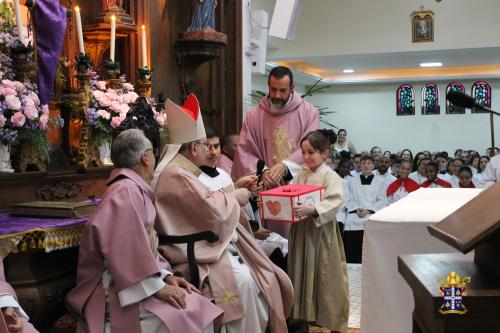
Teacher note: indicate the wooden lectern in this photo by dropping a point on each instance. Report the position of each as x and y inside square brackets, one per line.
[474, 226]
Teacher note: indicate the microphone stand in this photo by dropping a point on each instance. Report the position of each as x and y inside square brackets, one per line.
[492, 125]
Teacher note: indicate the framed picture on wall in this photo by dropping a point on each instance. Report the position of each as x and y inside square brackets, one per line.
[422, 26]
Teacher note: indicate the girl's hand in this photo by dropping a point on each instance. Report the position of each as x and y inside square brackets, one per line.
[304, 210]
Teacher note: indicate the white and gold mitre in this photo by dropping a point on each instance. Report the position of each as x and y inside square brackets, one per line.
[185, 123]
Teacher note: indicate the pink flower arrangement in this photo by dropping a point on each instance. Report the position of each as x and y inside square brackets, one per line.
[108, 107]
[20, 106]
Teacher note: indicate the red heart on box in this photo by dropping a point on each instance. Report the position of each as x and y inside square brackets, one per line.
[274, 207]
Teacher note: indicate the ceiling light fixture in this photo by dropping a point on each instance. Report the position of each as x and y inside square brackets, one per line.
[431, 64]
[348, 70]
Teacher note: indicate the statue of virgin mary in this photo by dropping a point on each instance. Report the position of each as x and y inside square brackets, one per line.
[204, 15]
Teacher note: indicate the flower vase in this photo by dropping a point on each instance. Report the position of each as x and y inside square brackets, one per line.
[105, 153]
[5, 165]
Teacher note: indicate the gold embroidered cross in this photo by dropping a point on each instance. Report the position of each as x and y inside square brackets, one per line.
[228, 297]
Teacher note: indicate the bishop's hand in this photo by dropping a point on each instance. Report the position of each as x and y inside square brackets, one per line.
[273, 176]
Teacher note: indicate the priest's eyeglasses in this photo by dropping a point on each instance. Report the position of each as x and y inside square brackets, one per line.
[206, 144]
[156, 151]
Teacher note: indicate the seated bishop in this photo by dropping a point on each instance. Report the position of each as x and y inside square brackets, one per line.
[233, 271]
[13, 318]
[123, 283]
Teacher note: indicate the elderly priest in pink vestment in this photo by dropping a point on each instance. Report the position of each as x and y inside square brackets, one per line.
[254, 293]
[12, 319]
[123, 284]
[272, 132]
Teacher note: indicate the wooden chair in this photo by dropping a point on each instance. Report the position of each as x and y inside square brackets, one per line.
[209, 236]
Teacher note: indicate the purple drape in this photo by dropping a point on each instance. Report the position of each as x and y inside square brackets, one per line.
[14, 224]
[49, 18]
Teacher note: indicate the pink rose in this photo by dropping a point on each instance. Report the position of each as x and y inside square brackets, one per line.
[13, 103]
[8, 84]
[130, 97]
[115, 106]
[104, 114]
[44, 119]
[97, 94]
[104, 101]
[2, 120]
[28, 101]
[20, 87]
[18, 119]
[112, 95]
[30, 112]
[161, 118]
[6, 91]
[116, 121]
[34, 97]
[101, 85]
[45, 109]
[124, 108]
[128, 87]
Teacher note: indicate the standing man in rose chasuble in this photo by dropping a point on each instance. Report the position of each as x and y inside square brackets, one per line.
[272, 132]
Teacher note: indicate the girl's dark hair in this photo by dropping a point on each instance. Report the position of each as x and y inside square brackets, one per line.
[321, 139]
[342, 130]
[466, 169]
[479, 162]
[415, 160]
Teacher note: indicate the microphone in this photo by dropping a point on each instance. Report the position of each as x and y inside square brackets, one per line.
[260, 168]
[460, 99]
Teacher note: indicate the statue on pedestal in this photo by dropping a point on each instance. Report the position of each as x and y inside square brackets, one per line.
[204, 15]
[111, 3]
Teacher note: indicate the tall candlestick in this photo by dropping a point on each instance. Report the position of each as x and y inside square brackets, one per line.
[19, 21]
[113, 32]
[79, 30]
[144, 62]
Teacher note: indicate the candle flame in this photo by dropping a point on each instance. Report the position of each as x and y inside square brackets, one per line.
[77, 9]
[113, 18]
[143, 27]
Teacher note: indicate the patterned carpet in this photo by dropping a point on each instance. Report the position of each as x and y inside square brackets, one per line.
[354, 273]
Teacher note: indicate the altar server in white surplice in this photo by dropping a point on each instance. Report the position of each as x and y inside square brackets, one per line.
[366, 196]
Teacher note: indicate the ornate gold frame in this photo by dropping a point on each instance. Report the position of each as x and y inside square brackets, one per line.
[427, 17]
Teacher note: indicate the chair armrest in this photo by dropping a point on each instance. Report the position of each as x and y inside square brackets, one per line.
[191, 239]
[209, 236]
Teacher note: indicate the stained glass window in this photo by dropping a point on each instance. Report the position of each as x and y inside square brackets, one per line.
[430, 99]
[481, 92]
[405, 100]
[450, 108]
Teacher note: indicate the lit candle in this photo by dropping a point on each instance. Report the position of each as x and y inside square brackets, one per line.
[79, 30]
[19, 21]
[113, 32]
[144, 62]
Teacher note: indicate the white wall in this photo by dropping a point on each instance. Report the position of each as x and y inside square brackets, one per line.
[368, 112]
[368, 26]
